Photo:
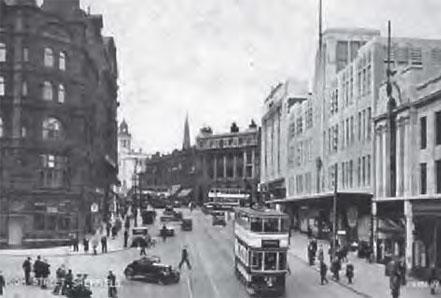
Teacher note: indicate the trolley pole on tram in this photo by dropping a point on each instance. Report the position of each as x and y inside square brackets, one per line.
[334, 208]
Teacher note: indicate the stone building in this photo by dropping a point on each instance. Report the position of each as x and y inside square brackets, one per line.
[58, 129]
[407, 202]
[130, 162]
[228, 162]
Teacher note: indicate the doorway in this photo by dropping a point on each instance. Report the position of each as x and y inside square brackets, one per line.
[15, 231]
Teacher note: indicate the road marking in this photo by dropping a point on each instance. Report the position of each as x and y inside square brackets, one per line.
[190, 288]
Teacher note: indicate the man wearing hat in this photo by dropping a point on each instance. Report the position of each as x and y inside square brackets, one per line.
[27, 270]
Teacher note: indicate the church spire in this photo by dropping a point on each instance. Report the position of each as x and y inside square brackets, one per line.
[186, 145]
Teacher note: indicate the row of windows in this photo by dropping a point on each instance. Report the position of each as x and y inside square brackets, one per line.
[423, 130]
[423, 177]
[303, 184]
[363, 172]
[48, 90]
[406, 55]
[51, 59]
[52, 129]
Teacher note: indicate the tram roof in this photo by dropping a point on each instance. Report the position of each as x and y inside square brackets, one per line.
[264, 212]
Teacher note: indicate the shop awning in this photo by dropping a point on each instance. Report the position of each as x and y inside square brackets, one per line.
[185, 193]
[324, 195]
[387, 225]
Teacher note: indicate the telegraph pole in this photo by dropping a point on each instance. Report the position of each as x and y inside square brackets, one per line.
[334, 209]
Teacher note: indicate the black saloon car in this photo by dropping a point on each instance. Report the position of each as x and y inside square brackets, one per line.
[149, 270]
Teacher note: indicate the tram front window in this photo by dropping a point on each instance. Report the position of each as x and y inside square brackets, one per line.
[256, 263]
[271, 225]
[270, 261]
[256, 225]
[282, 260]
[285, 224]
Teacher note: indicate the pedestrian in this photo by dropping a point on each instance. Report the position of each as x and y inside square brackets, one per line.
[323, 272]
[402, 269]
[433, 281]
[126, 237]
[2, 283]
[143, 243]
[108, 229]
[309, 232]
[311, 255]
[76, 241]
[394, 283]
[104, 244]
[95, 244]
[86, 245]
[335, 268]
[184, 258]
[37, 270]
[27, 266]
[114, 232]
[349, 272]
[45, 272]
[321, 256]
[111, 283]
[60, 275]
[68, 282]
[164, 233]
[127, 223]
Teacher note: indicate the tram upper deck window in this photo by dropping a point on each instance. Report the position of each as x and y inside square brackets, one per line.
[256, 260]
[256, 224]
[270, 261]
[271, 225]
[285, 224]
[282, 260]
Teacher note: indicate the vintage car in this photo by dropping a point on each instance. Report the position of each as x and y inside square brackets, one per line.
[167, 231]
[187, 224]
[138, 236]
[218, 218]
[148, 217]
[168, 210]
[150, 269]
[176, 204]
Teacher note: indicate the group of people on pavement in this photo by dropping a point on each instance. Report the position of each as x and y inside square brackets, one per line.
[41, 269]
[340, 255]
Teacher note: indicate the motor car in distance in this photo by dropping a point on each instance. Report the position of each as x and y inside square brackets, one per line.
[168, 210]
[218, 218]
[148, 217]
[167, 231]
[151, 270]
[138, 236]
[187, 224]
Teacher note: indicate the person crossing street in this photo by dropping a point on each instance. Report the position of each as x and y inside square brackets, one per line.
[27, 266]
[184, 258]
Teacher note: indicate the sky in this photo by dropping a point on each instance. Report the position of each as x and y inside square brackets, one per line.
[217, 60]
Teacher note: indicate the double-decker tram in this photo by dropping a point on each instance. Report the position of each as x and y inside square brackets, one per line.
[260, 248]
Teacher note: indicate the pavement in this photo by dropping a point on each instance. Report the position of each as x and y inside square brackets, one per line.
[212, 276]
[369, 280]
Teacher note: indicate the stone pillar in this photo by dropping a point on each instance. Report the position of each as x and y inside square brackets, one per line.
[407, 167]
[245, 164]
[235, 166]
[409, 233]
[225, 166]
[215, 167]
[374, 223]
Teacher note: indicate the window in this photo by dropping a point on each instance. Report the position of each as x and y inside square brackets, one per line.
[39, 221]
[52, 172]
[437, 126]
[282, 260]
[62, 61]
[1, 128]
[416, 56]
[52, 222]
[369, 124]
[47, 91]
[359, 126]
[271, 225]
[256, 225]
[24, 89]
[351, 173]
[438, 176]
[2, 52]
[364, 125]
[363, 170]
[23, 132]
[423, 178]
[61, 93]
[48, 57]
[2, 86]
[342, 54]
[52, 129]
[256, 260]
[270, 261]
[359, 171]
[352, 129]
[423, 132]
[368, 170]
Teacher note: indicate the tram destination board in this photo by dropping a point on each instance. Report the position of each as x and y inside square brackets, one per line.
[270, 243]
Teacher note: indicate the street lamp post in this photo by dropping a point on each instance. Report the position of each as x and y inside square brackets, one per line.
[334, 209]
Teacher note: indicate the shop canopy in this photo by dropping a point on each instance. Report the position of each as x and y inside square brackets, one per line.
[387, 225]
[324, 195]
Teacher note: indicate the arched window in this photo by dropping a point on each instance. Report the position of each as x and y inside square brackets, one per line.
[2, 86]
[52, 129]
[2, 52]
[1, 127]
[62, 61]
[61, 93]
[48, 57]
[48, 92]
[24, 89]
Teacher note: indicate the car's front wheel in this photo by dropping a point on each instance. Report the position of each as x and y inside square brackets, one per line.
[129, 273]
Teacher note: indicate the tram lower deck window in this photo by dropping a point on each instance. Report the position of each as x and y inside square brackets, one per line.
[270, 261]
[256, 262]
[282, 260]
